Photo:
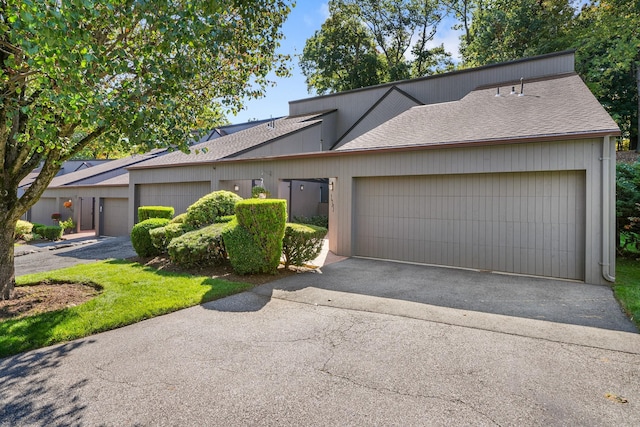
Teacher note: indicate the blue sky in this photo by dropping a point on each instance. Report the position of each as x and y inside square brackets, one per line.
[306, 18]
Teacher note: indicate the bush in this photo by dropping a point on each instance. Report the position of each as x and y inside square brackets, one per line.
[37, 228]
[627, 198]
[257, 190]
[52, 232]
[205, 211]
[302, 243]
[140, 238]
[244, 253]
[318, 220]
[263, 220]
[179, 219]
[162, 236]
[22, 228]
[199, 248]
[147, 212]
[225, 219]
[68, 224]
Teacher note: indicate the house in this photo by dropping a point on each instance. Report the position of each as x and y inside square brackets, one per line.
[508, 167]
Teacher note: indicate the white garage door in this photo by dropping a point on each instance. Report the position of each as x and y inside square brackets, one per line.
[114, 217]
[528, 223]
[180, 195]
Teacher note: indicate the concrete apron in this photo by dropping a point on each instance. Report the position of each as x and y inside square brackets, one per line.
[558, 311]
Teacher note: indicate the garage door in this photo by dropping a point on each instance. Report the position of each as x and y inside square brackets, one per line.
[180, 195]
[528, 223]
[115, 217]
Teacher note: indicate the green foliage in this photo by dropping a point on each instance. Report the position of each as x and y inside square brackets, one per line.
[23, 228]
[205, 211]
[67, 224]
[199, 248]
[141, 239]
[244, 252]
[162, 236]
[179, 219]
[302, 243]
[366, 42]
[627, 202]
[52, 232]
[129, 293]
[123, 75]
[258, 190]
[627, 287]
[254, 239]
[225, 219]
[146, 212]
[317, 220]
[37, 228]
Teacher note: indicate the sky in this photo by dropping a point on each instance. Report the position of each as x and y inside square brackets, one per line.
[306, 18]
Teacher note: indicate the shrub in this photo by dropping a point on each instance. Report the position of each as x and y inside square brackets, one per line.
[213, 205]
[179, 219]
[146, 212]
[22, 228]
[627, 198]
[52, 232]
[264, 221]
[244, 253]
[37, 228]
[162, 236]
[302, 243]
[140, 238]
[199, 248]
[68, 224]
[225, 219]
[257, 190]
[317, 220]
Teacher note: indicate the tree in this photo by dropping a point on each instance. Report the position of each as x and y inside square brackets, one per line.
[341, 55]
[503, 30]
[127, 73]
[607, 42]
[386, 39]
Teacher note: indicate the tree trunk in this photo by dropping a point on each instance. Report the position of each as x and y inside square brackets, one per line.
[7, 271]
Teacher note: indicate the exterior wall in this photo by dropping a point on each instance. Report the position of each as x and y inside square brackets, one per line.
[179, 195]
[306, 141]
[352, 105]
[577, 155]
[393, 104]
[114, 216]
[42, 210]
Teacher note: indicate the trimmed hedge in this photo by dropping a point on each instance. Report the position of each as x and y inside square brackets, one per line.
[22, 228]
[37, 228]
[179, 219]
[205, 211]
[147, 212]
[52, 232]
[162, 236]
[318, 220]
[140, 238]
[199, 248]
[302, 243]
[254, 239]
[225, 219]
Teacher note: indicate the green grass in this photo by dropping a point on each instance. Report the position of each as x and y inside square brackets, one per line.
[627, 287]
[130, 293]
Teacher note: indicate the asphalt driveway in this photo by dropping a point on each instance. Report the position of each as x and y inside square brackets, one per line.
[357, 344]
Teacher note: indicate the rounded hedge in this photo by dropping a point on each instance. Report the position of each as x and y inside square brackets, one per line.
[140, 238]
[205, 210]
[302, 243]
[199, 248]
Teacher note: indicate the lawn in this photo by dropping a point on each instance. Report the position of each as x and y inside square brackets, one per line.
[130, 292]
[627, 287]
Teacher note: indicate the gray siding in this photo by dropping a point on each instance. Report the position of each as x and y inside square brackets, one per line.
[578, 155]
[440, 88]
[42, 210]
[115, 217]
[392, 105]
[528, 223]
[179, 194]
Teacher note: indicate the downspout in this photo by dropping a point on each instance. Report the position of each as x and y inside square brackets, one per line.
[607, 216]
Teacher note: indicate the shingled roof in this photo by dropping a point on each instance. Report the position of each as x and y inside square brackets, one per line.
[548, 108]
[237, 143]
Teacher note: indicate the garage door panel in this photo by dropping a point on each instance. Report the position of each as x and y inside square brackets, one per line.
[530, 223]
[114, 215]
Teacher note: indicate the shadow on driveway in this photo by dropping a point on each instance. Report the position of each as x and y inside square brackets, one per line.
[533, 298]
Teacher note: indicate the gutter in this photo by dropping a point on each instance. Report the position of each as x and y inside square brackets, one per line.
[608, 212]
